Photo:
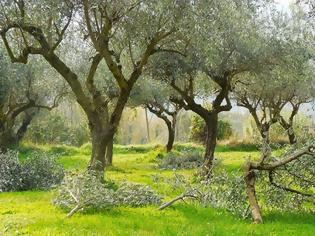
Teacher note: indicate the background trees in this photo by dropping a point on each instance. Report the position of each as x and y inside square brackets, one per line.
[226, 39]
[157, 99]
[23, 93]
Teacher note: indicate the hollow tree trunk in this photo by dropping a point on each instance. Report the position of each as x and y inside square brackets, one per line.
[210, 144]
[109, 153]
[249, 177]
[171, 137]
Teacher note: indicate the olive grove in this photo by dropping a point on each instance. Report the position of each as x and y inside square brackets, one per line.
[201, 58]
[115, 33]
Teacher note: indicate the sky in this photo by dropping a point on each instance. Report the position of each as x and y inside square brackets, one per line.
[284, 3]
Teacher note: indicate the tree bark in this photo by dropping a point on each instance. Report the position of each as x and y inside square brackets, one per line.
[109, 153]
[99, 144]
[290, 132]
[211, 142]
[291, 136]
[148, 126]
[6, 140]
[264, 131]
[171, 136]
[249, 177]
[28, 117]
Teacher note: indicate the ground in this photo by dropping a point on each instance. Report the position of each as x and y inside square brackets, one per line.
[31, 213]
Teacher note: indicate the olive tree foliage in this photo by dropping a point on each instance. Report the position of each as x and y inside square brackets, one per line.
[266, 94]
[23, 93]
[123, 34]
[288, 85]
[225, 39]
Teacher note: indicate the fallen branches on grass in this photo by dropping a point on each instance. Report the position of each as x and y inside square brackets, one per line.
[86, 191]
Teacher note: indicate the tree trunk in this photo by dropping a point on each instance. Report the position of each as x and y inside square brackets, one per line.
[28, 117]
[148, 126]
[99, 144]
[249, 176]
[3, 143]
[265, 132]
[109, 153]
[291, 135]
[211, 142]
[171, 137]
[6, 140]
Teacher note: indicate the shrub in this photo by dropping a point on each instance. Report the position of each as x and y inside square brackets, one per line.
[185, 160]
[10, 172]
[39, 171]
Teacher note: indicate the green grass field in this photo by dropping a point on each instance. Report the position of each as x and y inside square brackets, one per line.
[31, 213]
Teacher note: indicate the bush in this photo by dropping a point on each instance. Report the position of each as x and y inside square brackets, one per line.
[185, 160]
[85, 191]
[10, 172]
[40, 171]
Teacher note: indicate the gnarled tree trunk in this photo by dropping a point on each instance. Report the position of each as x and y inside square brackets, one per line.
[249, 177]
[28, 117]
[98, 128]
[211, 140]
[290, 132]
[171, 136]
[291, 135]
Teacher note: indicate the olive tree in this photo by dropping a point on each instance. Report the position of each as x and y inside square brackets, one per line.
[21, 97]
[269, 95]
[224, 39]
[289, 84]
[123, 34]
[266, 94]
[157, 98]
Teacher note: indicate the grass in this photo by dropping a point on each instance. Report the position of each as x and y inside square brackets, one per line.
[31, 213]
